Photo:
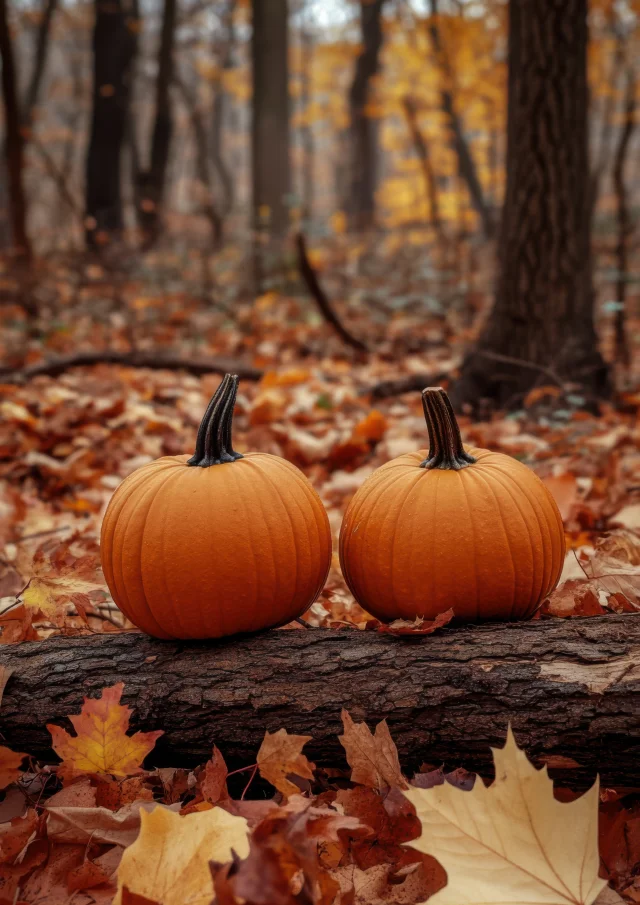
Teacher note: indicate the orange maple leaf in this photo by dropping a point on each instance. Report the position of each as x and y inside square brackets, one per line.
[101, 744]
[281, 754]
[9, 765]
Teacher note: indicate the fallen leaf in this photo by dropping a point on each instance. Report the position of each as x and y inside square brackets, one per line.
[5, 673]
[280, 755]
[9, 766]
[57, 575]
[17, 625]
[214, 783]
[511, 842]
[15, 835]
[564, 489]
[169, 861]
[373, 758]
[101, 744]
[83, 825]
[419, 626]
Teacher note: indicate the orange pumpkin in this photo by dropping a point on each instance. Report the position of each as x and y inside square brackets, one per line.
[469, 529]
[218, 543]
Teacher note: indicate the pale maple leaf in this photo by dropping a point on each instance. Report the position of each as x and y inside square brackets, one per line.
[280, 755]
[169, 861]
[373, 758]
[101, 744]
[512, 841]
[9, 766]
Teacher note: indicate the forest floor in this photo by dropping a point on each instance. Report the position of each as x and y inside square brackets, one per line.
[67, 441]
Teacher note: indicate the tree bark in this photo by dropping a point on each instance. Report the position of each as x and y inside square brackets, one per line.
[270, 126]
[41, 53]
[14, 144]
[543, 311]
[114, 43]
[570, 688]
[150, 183]
[623, 352]
[219, 113]
[364, 128]
[466, 164]
[209, 207]
[422, 151]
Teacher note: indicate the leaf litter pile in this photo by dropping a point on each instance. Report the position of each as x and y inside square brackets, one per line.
[99, 827]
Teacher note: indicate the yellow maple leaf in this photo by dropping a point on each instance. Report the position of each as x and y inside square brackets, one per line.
[511, 842]
[169, 861]
[280, 755]
[101, 744]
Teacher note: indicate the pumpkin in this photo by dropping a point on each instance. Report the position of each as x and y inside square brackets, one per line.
[215, 544]
[467, 529]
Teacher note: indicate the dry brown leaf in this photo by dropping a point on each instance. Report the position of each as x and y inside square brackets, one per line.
[378, 885]
[9, 766]
[374, 758]
[5, 673]
[512, 841]
[280, 755]
[169, 861]
[57, 576]
[214, 782]
[83, 825]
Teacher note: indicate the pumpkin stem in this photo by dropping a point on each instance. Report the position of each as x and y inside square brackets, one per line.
[213, 443]
[445, 443]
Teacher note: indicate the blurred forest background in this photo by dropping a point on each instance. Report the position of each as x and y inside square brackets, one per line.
[342, 201]
[178, 144]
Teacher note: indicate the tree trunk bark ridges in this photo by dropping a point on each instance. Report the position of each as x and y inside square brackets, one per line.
[150, 184]
[543, 311]
[14, 144]
[569, 687]
[364, 127]
[114, 43]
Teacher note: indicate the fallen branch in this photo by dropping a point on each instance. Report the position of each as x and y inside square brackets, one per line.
[324, 305]
[570, 688]
[157, 361]
[387, 388]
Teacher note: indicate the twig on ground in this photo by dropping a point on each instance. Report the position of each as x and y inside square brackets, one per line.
[310, 278]
[387, 388]
[157, 361]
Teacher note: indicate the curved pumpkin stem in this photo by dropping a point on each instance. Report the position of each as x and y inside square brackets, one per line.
[445, 443]
[213, 443]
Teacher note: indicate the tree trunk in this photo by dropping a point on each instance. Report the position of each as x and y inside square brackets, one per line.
[270, 127]
[622, 351]
[364, 128]
[41, 53]
[14, 145]
[219, 112]
[150, 184]
[542, 320]
[306, 131]
[570, 688]
[422, 151]
[209, 207]
[114, 42]
[466, 164]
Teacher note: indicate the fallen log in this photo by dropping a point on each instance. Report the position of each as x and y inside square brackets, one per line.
[570, 688]
[54, 367]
